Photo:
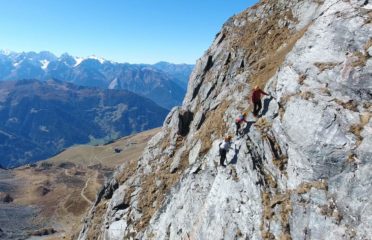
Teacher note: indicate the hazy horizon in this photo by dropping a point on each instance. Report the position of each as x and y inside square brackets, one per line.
[9, 51]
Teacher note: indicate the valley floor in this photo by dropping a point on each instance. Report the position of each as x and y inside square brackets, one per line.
[53, 195]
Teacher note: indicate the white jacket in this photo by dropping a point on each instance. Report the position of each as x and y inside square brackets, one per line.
[225, 145]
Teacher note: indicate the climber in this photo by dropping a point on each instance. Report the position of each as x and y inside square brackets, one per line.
[239, 120]
[224, 147]
[256, 99]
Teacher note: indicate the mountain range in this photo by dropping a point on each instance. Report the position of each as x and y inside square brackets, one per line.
[40, 118]
[163, 82]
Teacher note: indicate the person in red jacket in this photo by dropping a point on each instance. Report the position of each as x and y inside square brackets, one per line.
[256, 100]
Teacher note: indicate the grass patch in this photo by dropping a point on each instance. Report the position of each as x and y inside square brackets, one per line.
[263, 125]
[367, 105]
[157, 184]
[359, 59]
[267, 45]
[356, 129]
[97, 219]
[301, 79]
[214, 127]
[282, 102]
[351, 105]
[364, 118]
[330, 210]
[266, 235]
[75, 204]
[322, 66]
[367, 46]
[325, 91]
[280, 162]
[234, 174]
[307, 95]
[270, 180]
[307, 186]
[285, 213]
[266, 42]
[267, 212]
[282, 201]
[351, 158]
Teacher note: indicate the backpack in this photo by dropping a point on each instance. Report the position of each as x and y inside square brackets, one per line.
[239, 119]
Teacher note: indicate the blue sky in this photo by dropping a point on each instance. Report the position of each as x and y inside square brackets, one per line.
[134, 31]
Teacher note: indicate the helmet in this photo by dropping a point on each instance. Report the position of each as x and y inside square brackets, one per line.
[244, 114]
[228, 138]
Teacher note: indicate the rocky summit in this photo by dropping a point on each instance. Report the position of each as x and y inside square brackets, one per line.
[302, 170]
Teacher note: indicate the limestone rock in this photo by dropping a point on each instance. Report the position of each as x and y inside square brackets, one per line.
[300, 171]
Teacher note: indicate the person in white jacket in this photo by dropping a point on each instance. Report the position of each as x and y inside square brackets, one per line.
[224, 147]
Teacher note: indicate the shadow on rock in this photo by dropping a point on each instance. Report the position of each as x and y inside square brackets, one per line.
[266, 105]
[234, 160]
[248, 127]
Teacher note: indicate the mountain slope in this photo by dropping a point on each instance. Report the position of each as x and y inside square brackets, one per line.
[164, 83]
[180, 72]
[55, 193]
[39, 119]
[151, 83]
[300, 171]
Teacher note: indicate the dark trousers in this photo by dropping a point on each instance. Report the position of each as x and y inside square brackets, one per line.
[257, 107]
[222, 156]
[237, 128]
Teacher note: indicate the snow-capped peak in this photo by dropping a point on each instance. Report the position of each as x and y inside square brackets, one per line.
[17, 63]
[44, 64]
[78, 60]
[100, 59]
[6, 52]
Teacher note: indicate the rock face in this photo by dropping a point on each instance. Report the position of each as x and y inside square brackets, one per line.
[301, 171]
[39, 119]
[5, 198]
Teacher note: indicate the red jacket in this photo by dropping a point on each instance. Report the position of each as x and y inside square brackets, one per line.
[256, 95]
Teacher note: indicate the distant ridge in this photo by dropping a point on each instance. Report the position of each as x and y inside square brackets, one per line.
[39, 119]
[164, 83]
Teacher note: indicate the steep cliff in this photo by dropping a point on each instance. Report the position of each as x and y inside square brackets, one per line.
[301, 171]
